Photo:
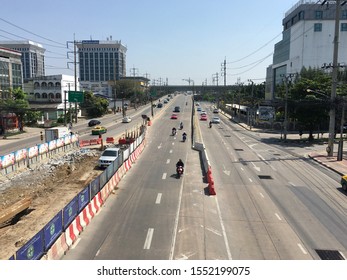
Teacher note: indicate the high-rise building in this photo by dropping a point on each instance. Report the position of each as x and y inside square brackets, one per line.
[10, 71]
[33, 59]
[308, 40]
[99, 63]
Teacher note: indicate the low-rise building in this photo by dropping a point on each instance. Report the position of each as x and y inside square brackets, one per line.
[50, 94]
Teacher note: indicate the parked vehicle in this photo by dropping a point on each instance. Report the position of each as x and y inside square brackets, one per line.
[107, 157]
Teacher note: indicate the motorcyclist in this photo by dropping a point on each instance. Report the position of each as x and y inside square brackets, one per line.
[210, 124]
[184, 136]
[181, 125]
[178, 164]
[174, 131]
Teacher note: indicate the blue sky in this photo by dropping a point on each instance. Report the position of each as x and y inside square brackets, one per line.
[174, 40]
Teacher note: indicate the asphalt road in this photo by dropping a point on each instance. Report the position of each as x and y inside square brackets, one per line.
[275, 203]
[271, 202]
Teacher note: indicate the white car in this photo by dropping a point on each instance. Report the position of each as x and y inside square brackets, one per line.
[215, 120]
[107, 157]
[215, 111]
[126, 120]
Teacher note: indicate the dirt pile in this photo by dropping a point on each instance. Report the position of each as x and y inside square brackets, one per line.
[51, 186]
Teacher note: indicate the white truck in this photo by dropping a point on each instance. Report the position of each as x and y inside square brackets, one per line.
[56, 133]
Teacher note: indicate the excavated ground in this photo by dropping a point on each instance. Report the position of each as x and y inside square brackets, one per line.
[51, 185]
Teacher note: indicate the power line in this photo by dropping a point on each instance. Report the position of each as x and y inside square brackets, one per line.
[259, 61]
[32, 32]
[29, 39]
[255, 50]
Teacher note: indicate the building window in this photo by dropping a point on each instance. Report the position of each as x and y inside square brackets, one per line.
[44, 95]
[317, 27]
[301, 15]
[319, 15]
[344, 14]
[343, 26]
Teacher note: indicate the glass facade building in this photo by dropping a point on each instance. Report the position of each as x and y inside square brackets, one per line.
[33, 59]
[101, 61]
[10, 71]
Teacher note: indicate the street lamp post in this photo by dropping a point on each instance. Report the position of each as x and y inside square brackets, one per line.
[250, 114]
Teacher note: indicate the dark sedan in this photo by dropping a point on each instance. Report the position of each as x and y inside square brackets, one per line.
[94, 122]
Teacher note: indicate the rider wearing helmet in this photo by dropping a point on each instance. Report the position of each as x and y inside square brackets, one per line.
[180, 163]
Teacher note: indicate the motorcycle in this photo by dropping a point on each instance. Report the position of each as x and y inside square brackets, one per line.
[179, 171]
[210, 125]
[181, 126]
[184, 138]
[174, 132]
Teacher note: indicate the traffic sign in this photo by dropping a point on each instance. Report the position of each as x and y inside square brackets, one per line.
[76, 96]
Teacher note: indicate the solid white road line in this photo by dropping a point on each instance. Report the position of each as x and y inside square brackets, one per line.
[223, 231]
[168, 161]
[148, 240]
[164, 176]
[302, 249]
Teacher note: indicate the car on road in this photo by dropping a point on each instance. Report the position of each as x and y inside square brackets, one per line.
[215, 120]
[93, 122]
[107, 157]
[199, 109]
[177, 109]
[203, 117]
[99, 130]
[126, 120]
[174, 116]
[160, 105]
[215, 111]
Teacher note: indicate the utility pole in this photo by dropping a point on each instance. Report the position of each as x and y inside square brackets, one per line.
[65, 122]
[74, 42]
[215, 78]
[332, 112]
[250, 115]
[224, 71]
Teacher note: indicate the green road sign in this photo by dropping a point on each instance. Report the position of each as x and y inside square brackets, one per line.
[76, 96]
